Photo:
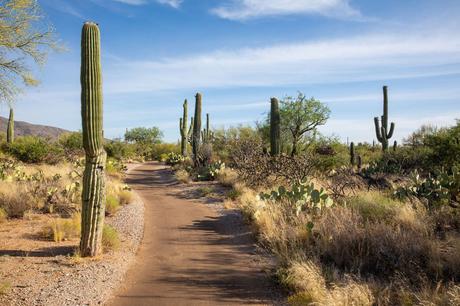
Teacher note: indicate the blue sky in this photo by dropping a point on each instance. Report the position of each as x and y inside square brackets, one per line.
[239, 53]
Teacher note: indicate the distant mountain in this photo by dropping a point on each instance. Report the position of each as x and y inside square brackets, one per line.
[22, 128]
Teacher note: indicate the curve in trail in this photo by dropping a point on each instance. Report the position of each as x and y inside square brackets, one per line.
[190, 254]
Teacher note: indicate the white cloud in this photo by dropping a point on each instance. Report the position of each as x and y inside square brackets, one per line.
[371, 57]
[247, 9]
[172, 3]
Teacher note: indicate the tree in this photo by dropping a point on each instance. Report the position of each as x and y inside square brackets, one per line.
[300, 116]
[142, 135]
[24, 39]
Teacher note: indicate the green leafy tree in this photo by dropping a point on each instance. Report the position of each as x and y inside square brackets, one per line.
[143, 135]
[300, 117]
[25, 39]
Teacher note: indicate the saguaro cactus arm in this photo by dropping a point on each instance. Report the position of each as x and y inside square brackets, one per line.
[93, 194]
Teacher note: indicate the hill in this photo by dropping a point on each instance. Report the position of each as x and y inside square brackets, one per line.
[22, 128]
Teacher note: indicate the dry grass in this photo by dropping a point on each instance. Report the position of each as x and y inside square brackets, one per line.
[63, 229]
[15, 199]
[389, 248]
[112, 204]
[125, 197]
[3, 215]
[182, 176]
[110, 239]
[307, 279]
[227, 177]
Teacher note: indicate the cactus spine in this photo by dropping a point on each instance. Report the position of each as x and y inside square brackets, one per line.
[93, 194]
[275, 144]
[183, 130]
[382, 131]
[196, 127]
[352, 154]
[10, 127]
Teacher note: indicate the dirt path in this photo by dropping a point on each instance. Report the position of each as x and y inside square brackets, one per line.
[190, 254]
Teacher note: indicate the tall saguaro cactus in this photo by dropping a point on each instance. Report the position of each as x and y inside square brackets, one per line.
[382, 131]
[196, 141]
[275, 144]
[10, 127]
[93, 194]
[183, 130]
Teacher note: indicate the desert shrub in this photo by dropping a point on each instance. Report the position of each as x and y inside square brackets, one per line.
[445, 146]
[112, 204]
[15, 199]
[110, 238]
[225, 140]
[329, 154]
[163, 148]
[32, 149]
[72, 143]
[257, 168]
[125, 197]
[182, 176]
[63, 229]
[120, 150]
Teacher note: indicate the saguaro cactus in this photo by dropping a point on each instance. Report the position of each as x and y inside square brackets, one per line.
[10, 127]
[93, 194]
[395, 146]
[274, 127]
[352, 154]
[183, 129]
[196, 141]
[382, 131]
[360, 163]
[206, 134]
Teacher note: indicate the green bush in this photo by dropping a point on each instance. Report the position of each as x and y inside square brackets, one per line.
[120, 150]
[163, 148]
[72, 144]
[31, 149]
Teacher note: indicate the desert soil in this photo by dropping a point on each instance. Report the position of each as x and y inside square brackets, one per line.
[35, 271]
[193, 252]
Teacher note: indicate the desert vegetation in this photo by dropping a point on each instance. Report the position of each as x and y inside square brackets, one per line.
[349, 224]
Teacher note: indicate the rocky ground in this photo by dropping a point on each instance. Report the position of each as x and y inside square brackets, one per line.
[38, 272]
